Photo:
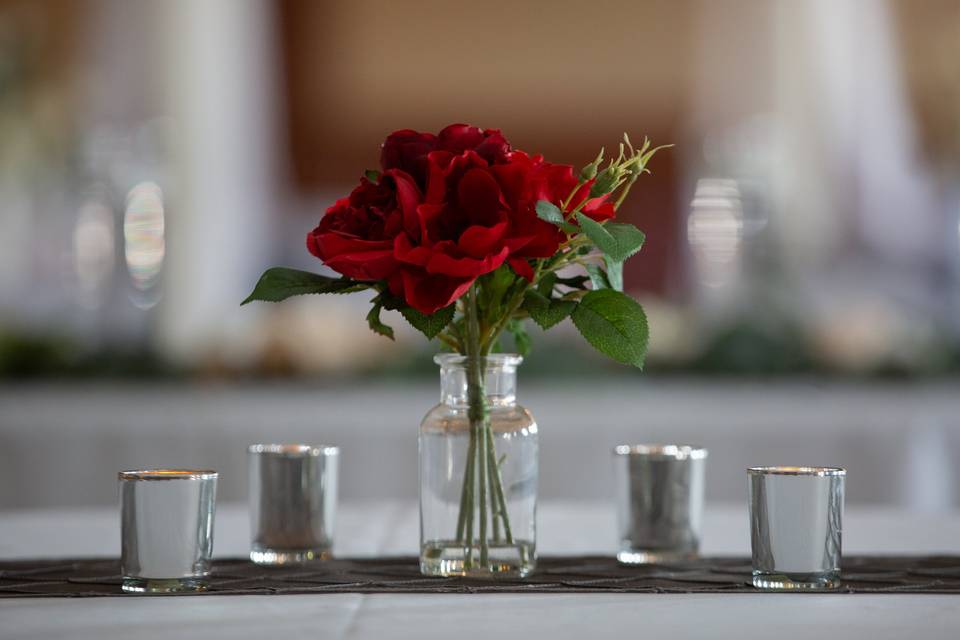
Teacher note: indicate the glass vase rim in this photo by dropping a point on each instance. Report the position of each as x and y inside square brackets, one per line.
[446, 360]
[662, 451]
[797, 471]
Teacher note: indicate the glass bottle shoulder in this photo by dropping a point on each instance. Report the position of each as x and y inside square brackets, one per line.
[448, 419]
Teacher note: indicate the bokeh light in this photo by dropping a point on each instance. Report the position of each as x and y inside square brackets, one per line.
[143, 234]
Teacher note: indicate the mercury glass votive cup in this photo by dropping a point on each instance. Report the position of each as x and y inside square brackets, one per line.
[293, 502]
[166, 529]
[796, 515]
[659, 491]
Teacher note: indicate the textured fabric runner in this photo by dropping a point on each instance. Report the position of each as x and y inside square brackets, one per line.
[585, 574]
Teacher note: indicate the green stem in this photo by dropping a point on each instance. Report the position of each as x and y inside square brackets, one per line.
[491, 336]
[494, 479]
[477, 414]
[624, 192]
[482, 495]
[468, 505]
[497, 482]
[464, 490]
[566, 202]
[449, 340]
[482, 482]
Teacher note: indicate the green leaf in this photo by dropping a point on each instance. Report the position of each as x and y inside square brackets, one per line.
[614, 324]
[521, 338]
[617, 240]
[429, 325]
[493, 288]
[598, 277]
[614, 273]
[280, 283]
[546, 312]
[373, 319]
[546, 284]
[574, 282]
[372, 175]
[551, 213]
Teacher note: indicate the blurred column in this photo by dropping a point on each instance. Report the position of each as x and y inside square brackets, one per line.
[852, 180]
[223, 89]
[927, 481]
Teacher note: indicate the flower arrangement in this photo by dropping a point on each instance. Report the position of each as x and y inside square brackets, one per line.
[468, 238]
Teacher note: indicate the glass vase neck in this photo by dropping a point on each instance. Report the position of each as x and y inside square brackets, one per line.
[499, 379]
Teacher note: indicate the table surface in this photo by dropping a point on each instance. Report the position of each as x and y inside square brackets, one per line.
[564, 528]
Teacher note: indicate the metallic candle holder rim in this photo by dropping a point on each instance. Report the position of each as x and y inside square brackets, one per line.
[662, 451]
[294, 450]
[152, 475]
[797, 471]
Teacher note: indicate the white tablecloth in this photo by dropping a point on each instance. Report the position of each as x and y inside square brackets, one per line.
[565, 528]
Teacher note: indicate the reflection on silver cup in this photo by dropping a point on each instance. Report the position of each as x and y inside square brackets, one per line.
[166, 518]
[796, 518]
[659, 501]
[293, 502]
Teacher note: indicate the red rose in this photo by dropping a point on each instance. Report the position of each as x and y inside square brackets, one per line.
[362, 235]
[407, 150]
[462, 233]
[355, 235]
[473, 209]
[525, 181]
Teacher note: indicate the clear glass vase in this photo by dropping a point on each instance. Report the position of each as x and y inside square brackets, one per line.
[478, 473]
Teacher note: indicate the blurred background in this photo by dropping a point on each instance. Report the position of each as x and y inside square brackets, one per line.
[801, 274]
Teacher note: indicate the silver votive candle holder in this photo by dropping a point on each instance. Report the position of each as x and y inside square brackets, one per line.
[166, 529]
[659, 493]
[796, 517]
[293, 502]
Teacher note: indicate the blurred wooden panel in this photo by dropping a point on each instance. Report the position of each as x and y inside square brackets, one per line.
[557, 77]
[561, 78]
[930, 35]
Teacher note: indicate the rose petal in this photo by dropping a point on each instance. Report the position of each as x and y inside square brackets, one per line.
[478, 241]
[544, 243]
[478, 194]
[522, 268]
[408, 197]
[599, 209]
[428, 293]
[377, 265]
[457, 138]
[428, 215]
[405, 251]
[359, 259]
[448, 265]
[407, 150]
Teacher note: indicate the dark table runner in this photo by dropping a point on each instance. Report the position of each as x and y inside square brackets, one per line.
[585, 574]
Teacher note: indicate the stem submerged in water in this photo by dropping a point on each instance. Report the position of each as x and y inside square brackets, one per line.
[482, 492]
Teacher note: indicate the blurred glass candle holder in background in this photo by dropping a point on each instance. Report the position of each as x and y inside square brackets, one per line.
[659, 501]
[796, 518]
[293, 502]
[166, 529]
